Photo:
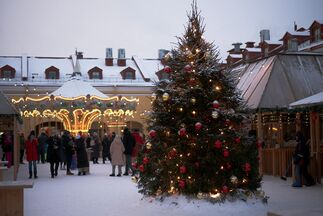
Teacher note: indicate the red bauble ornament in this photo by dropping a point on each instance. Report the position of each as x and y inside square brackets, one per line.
[172, 153]
[134, 165]
[198, 126]
[145, 160]
[225, 189]
[141, 168]
[227, 122]
[216, 104]
[237, 140]
[247, 167]
[167, 69]
[152, 133]
[181, 183]
[229, 166]
[225, 153]
[182, 169]
[188, 68]
[218, 144]
[192, 82]
[182, 132]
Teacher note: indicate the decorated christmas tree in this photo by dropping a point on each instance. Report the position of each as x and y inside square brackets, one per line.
[195, 147]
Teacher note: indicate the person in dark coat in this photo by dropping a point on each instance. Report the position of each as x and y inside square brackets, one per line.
[302, 160]
[106, 143]
[67, 142]
[22, 147]
[95, 145]
[53, 153]
[32, 153]
[82, 159]
[128, 142]
[42, 141]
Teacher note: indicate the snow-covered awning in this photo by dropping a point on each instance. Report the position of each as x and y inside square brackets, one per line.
[76, 87]
[313, 100]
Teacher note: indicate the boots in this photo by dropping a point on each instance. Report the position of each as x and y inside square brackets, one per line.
[35, 175]
[30, 175]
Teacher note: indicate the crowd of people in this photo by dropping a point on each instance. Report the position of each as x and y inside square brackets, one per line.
[68, 152]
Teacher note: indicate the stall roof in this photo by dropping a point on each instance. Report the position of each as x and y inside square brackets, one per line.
[6, 108]
[313, 100]
[277, 81]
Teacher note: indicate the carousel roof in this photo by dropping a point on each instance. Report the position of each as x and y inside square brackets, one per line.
[6, 107]
[77, 87]
[313, 100]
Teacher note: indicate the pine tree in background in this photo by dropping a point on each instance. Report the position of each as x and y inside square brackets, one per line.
[195, 148]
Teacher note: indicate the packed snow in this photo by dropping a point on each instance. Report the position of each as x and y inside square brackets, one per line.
[100, 195]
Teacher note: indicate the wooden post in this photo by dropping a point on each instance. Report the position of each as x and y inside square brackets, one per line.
[316, 121]
[260, 138]
[16, 147]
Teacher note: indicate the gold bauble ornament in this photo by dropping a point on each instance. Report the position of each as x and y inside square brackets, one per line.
[193, 100]
[134, 179]
[234, 180]
[215, 114]
[200, 195]
[165, 96]
[148, 145]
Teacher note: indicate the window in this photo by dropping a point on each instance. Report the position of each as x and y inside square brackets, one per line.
[317, 34]
[6, 74]
[96, 75]
[128, 75]
[52, 75]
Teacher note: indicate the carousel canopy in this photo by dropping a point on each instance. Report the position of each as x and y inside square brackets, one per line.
[6, 107]
[313, 100]
[76, 87]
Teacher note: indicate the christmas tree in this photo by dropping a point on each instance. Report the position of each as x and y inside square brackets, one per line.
[195, 147]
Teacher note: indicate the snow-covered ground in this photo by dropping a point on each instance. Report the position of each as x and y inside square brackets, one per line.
[99, 195]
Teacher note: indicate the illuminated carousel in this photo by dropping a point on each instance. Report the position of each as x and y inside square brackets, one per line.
[77, 105]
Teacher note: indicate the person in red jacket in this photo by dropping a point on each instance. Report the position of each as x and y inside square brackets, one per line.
[32, 154]
[139, 143]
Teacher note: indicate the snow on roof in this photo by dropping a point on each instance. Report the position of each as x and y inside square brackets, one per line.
[148, 67]
[76, 87]
[235, 55]
[298, 33]
[309, 101]
[14, 62]
[310, 45]
[274, 42]
[253, 49]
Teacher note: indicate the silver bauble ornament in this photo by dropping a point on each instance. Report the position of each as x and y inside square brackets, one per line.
[215, 114]
[234, 180]
[193, 100]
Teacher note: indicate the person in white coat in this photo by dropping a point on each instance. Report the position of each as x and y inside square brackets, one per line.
[117, 155]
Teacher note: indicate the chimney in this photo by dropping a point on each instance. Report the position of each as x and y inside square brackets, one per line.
[295, 26]
[162, 53]
[79, 55]
[237, 47]
[250, 44]
[121, 57]
[108, 57]
[264, 35]
[292, 45]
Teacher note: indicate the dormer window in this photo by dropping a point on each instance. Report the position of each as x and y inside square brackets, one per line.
[7, 72]
[162, 75]
[128, 73]
[52, 73]
[95, 73]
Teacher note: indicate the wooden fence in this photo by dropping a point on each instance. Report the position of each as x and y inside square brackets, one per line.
[276, 161]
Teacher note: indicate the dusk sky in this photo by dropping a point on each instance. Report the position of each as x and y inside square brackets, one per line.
[57, 27]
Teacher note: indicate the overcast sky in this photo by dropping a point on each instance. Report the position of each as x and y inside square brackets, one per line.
[57, 27]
